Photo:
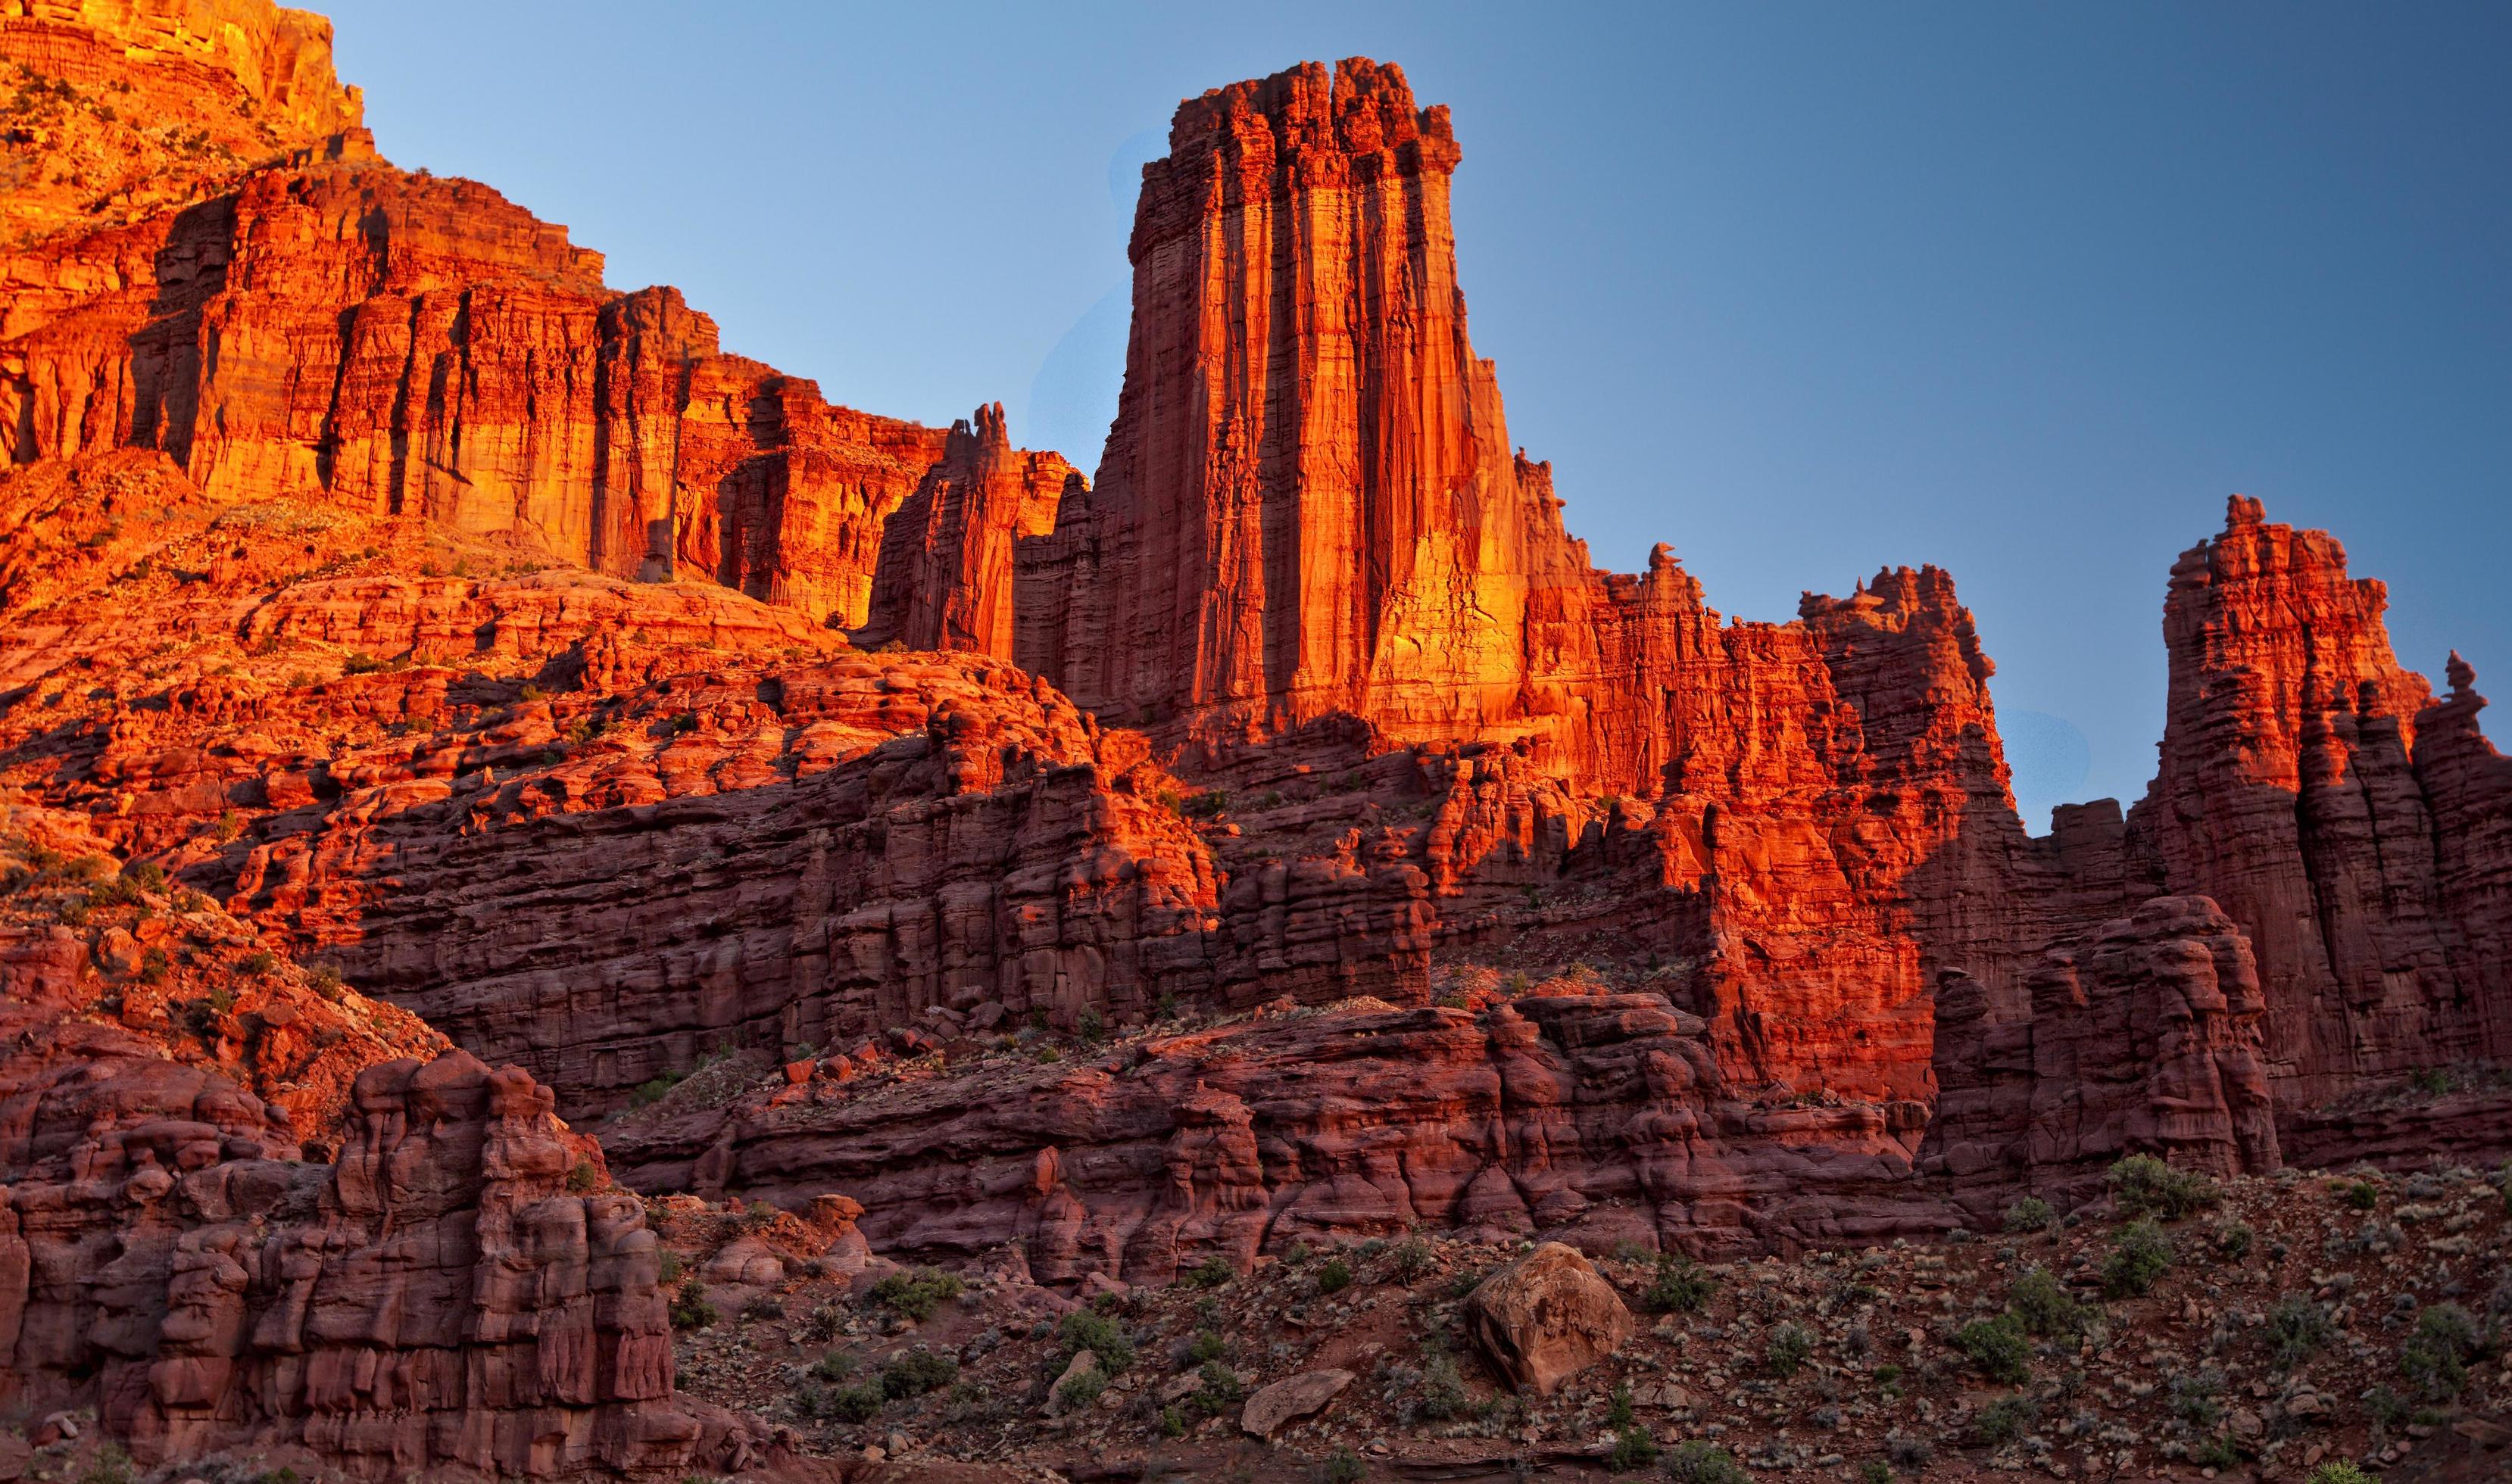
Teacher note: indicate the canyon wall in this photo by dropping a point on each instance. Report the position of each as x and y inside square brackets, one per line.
[311, 322]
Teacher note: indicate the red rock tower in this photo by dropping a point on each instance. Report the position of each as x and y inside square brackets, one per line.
[1308, 502]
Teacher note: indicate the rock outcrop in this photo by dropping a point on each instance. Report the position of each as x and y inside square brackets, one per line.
[457, 1290]
[1545, 1317]
[144, 103]
[2294, 790]
[945, 577]
[2143, 1036]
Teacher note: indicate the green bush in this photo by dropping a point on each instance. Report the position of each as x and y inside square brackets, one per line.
[1786, 1352]
[2295, 1328]
[1875, 1472]
[2361, 1195]
[690, 1308]
[1443, 1388]
[1999, 1347]
[1632, 1448]
[1208, 1345]
[2233, 1239]
[2436, 1356]
[917, 1294]
[2196, 1397]
[2030, 1214]
[1082, 1330]
[1412, 1258]
[1619, 1414]
[1218, 1390]
[1698, 1462]
[2217, 1452]
[1681, 1286]
[1080, 1391]
[584, 1177]
[2142, 1185]
[1335, 1276]
[1213, 1272]
[2340, 1471]
[2005, 1420]
[2140, 1256]
[1172, 1422]
[855, 1404]
[836, 1365]
[2043, 1305]
[916, 1373]
[1344, 1467]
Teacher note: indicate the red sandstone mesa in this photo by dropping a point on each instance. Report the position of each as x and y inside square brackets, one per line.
[446, 619]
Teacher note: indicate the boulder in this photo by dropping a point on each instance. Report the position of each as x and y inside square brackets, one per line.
[1289, 1399]
[1545, 1317]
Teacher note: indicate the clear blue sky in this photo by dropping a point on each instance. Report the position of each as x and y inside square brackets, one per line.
[2020, 290]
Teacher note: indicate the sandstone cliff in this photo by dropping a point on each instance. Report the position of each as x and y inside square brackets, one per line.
[2298, 788]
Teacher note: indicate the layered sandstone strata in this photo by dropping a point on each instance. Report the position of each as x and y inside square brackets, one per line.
[445, 1295]
[2143, 1037]
[136, 104]
[2294, 787]
[326, 326]
[945, 576]
[1596, 1118]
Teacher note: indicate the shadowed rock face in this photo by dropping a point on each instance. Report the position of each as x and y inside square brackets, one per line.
[438, 1296]
[2349, 824]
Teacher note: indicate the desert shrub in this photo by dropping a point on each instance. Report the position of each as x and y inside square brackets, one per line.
[2436, 1356]
[1632, 1448]
[2005, 1420]
[1218, 1390]
[2030, 1214]
[1080, 1389]
[1443, 1388]
[2233, 1239]
[690, 1308]
[1681, 1286]
[1999, 1347]
[2196, 1397]
[1699, 1462]
[1172, 1422]
[1412, 1258]
[1207, 1346]
[583, 1177]
[1213, 1272]
[2142, 1185]
[649, 1092]
[2360, 1194]
[916, 1373]
[2295, 1328]
[763, 1309]
[1098, 1334]
[257, 964]
[854, 1404]
[1618, 1413]
[1875, 1472]
[1786, 1352]
[916, 1293]
[2340, 1471]
[2216, 1451]
[1335, 1276]
[363, 664]
[2043, 1305]
[110, 1466]
[1344, 1467]
[836, 1365]
[1908, 1450]
[2140, 1256]
[668, 1268]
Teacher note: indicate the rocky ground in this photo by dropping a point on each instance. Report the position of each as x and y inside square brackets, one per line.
[2286, 1324]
